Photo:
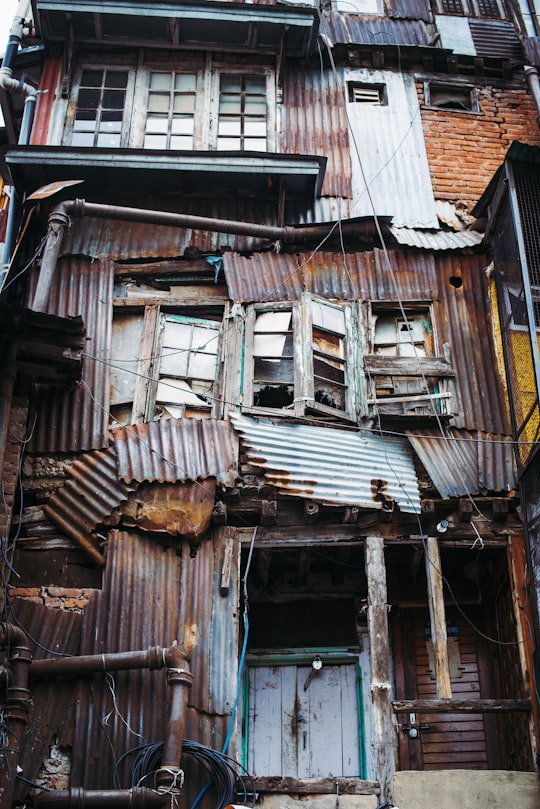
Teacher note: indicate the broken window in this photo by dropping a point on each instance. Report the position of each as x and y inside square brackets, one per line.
[162, 366]
[301, 358]
[101, 104]
[405, 376]
[451, 97]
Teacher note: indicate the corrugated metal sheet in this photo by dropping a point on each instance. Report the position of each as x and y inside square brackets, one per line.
[78, 419]
[182, 600]
[48, 83]
[90, 496]
[437, 239]
[332, 466]
[107, 238]
[178, 509]
[463, 317]
[462, 462]
[357, 29]
[52, 705]
[496, 38]
[357, 276]
[175, 449]
[409, 9]
[314, 121]
[390, 155]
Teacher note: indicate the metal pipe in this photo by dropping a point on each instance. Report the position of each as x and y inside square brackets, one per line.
[534, 86]
[77, 798]
[180, 679]
[60, 218]
[11, 85]
[155, 657]
[16, 707]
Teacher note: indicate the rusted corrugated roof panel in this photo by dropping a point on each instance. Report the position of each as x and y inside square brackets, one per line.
[178, 509]
[437, 239]
[78, 419]
[175, 449]
[496, 38]
[358, 29]
[409, 9]
[88, 497]
[357, 276]
[183, 600]
[463, 317]
[461, 462]
[51, 706]
[314, 121]
[332, 466]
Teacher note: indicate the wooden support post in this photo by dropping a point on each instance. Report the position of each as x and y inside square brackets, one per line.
[438, 619]
[383, 732]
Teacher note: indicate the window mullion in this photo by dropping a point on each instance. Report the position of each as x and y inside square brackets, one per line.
[303, 354]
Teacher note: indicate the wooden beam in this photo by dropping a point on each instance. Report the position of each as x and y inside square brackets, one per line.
[438, 618]
[424, 706]
[377, 615]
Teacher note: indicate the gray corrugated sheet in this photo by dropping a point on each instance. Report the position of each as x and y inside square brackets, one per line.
[437, 239]
[52, 703]
[496, 38]
[68, 421]
[314, 121]
[180, 600]
[89, 496]
[331, 466]
[175, 449]
[358, 29]
[409, 9]
[461, 462]
[107, 238]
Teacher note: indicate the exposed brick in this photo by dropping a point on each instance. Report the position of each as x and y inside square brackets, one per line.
[23, 592]
[54, 603]
[64, 592]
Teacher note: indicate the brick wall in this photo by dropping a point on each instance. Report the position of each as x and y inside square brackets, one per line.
[60, 598]
[10, 471]
[465, 149]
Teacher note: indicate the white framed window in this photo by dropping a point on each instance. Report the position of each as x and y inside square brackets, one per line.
[300, 358]
[157, 107]
[304, 716]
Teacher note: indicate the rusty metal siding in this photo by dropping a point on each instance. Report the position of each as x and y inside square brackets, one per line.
[107, 238]
[463, 318]
[314, 121]
[89, 496]
[52, 70]
[332, 466]
[409, 9]
[531, 48]
[69, 421]
[52, 704]
[356, 29]
[462, 462]
[174, 450]
[181, 600]
[437, 239]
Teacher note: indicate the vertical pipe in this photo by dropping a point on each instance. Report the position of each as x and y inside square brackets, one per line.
[179, 679]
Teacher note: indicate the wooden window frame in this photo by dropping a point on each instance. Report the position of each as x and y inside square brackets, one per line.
[304, 401]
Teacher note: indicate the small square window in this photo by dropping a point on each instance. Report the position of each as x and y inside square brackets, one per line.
[451, 97]
[367, 93]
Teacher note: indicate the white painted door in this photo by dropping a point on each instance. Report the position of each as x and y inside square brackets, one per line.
[303, 723]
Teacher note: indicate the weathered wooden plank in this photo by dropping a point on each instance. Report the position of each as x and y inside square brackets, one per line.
[379, 365]
[479, 706]
[383, 741]
[316, 786]
[438, 619]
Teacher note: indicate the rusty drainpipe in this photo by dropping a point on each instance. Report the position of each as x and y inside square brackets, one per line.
[77, 798]
[60, 219]
[533, 81]
[169, 777]
[16, 707]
